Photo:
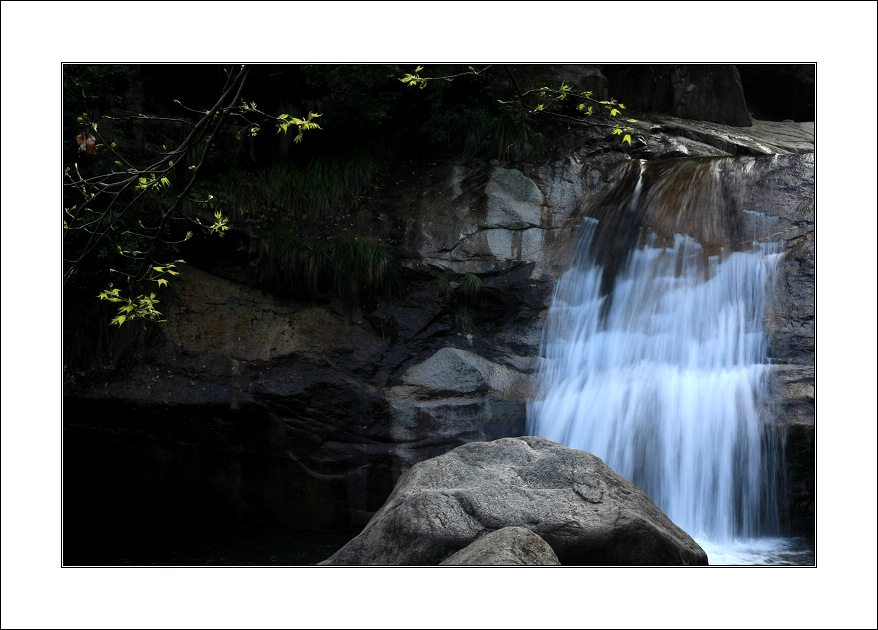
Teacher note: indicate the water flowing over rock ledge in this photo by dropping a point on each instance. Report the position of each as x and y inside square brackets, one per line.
[281, 414]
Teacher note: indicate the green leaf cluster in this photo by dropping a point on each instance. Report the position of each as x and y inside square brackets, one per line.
[547, 100]
[141, 306]
[414, 79]
[152, 182]
[138, 307]
[285, 121]
[220, 225]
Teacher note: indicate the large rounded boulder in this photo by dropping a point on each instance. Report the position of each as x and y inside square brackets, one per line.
[587, 513]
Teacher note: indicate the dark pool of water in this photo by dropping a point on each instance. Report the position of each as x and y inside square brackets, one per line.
[296, 548]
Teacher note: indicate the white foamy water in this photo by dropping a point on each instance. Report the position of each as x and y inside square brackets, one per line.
[759, 551]
[663, 378]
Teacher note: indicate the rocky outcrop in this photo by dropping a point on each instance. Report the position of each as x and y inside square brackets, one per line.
[587, 513]
[709, 92]
[452, 398]
[785, 192]
[510, 546]
[667, 136]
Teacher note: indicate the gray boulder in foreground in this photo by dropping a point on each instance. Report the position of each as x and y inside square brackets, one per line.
[587, 513]
[510, 546]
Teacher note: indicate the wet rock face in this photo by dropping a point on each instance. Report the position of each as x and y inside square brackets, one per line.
[784, 190]
[676, 137]
[588, 514]
[489, 221]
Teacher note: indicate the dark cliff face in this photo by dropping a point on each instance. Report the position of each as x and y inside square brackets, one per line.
[248, 409]
[779, 91]
[709, 92]
[732, 95]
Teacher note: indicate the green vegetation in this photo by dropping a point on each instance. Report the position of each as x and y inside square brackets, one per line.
[463, 318]
[470, 286]
[561, 102]
[350, 267]
[142, 306]
[483, 132]
[329, 187]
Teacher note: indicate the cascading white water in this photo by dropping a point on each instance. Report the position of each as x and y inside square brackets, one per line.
[660, 370]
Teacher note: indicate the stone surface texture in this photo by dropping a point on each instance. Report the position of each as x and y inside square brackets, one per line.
[510, 546]
[587, 513]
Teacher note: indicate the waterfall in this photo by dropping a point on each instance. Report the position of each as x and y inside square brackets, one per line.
[654, 356]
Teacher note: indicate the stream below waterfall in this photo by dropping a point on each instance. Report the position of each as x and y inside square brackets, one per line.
[655, 358]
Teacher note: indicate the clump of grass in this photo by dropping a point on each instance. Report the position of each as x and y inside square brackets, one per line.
[331, 186]
[485, 133]
[328, 187]
[350, 268]
[463, 318]
[471, 285]
[463, 296]
[357, 267]
[281, 259]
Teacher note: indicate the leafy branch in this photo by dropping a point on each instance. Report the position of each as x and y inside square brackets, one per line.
[283, 122]
[132, 207]
[547, 100]
[414, 79]
[140, 306]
